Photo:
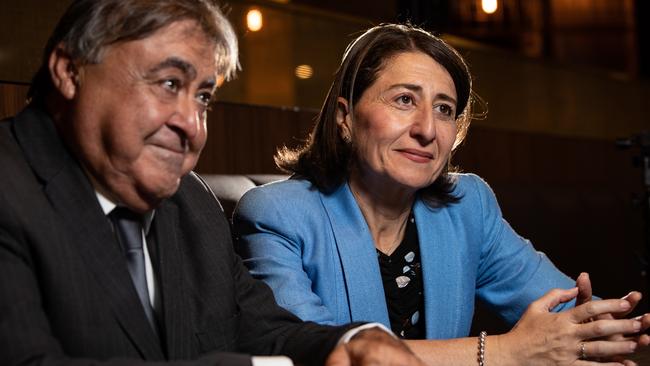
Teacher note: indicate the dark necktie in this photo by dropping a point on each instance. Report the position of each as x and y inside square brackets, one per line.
[128, 229]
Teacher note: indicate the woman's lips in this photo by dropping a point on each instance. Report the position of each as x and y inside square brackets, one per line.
[417, 156]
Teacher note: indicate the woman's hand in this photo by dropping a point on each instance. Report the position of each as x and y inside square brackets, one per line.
[583, 283]
[542, 337]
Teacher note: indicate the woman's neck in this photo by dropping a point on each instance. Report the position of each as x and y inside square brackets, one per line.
[385, 212]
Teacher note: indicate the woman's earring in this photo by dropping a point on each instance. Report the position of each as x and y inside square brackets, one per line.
[346, 138]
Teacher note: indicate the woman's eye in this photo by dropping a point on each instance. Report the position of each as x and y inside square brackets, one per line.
[445, 109]
[405, 99]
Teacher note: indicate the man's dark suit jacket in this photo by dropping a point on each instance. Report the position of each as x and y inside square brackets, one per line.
[65, 292]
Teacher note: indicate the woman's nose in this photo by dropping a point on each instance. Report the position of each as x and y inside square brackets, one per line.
[424, 126]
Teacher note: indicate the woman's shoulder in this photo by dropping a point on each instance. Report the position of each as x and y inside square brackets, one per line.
[473, 191]
[468, 184]
[287, 188]
[476, 202]
[291, 192]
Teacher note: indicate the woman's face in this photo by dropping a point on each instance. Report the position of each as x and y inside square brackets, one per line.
[403, 127]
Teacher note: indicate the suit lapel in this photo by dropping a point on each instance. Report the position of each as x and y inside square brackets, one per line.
[358, 257]
[176, 313]
[85, 225]
[440, 272]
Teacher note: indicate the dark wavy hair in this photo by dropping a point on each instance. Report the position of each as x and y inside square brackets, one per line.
[88, 26]
[325, 158]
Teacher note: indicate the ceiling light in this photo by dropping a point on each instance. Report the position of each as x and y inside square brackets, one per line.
[254, 20]
[304, 71]
[489, 6]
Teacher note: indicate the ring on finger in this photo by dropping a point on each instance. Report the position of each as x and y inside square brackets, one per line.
[583, 351]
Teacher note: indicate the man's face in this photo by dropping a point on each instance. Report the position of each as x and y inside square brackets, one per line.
[137, 120]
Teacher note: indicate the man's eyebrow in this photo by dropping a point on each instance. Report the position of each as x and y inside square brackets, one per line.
[176, 63]
[209, 84]
[418, 89]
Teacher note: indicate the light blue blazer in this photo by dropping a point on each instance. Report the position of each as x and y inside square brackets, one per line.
[316, 252]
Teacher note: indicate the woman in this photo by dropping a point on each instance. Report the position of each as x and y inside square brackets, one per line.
[374, 227]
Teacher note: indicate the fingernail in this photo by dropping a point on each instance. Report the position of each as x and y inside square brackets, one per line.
[632, 347]
[625, 305]
[637, 326]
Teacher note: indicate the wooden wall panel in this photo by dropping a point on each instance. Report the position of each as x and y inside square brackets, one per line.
[243, 138]
[12, 98]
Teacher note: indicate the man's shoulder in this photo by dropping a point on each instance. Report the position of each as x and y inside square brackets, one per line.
[13, 162]
[7, 138]
[194, 190]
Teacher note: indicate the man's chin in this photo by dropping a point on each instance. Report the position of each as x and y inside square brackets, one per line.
[148, 195]
[159, 192]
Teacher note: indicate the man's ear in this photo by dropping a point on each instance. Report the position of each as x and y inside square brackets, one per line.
[64, 72]
[343, 119]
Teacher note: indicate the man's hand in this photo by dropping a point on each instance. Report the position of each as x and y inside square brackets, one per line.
[373, 347]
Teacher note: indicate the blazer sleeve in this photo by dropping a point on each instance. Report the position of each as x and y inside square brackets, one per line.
[270, 239]
[268, 329]
[511, 273]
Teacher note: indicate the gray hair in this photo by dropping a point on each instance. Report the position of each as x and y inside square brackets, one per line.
[89, 26]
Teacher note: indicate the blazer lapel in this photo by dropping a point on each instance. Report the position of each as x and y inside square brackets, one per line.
[85, 226]
[358, 257]
[440, 272]
[176, 316]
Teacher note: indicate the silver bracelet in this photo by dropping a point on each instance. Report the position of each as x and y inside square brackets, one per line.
[481, 348]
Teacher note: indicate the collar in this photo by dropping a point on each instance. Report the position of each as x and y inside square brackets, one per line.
[108, 206]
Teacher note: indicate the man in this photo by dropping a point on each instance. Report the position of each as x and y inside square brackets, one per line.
[111, 250]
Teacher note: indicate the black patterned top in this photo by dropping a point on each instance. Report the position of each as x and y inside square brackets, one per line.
[401, 273]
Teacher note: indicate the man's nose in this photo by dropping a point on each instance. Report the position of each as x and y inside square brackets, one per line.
[187, 116]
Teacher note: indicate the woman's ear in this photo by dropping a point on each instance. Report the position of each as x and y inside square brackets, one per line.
[343, 119]
[64, 72]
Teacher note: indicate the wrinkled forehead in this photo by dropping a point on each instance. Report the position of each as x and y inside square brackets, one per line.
[395, 60]
[409, 62]
[182, 44]
[213, 51]
[177, 38]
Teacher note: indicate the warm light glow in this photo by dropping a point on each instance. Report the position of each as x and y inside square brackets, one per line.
[304, 71]
[489, 6]
[254, 20]
[220, 80]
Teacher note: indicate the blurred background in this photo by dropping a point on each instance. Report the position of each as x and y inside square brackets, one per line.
[566, 82]
[562, 67]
